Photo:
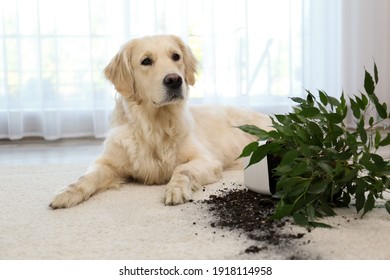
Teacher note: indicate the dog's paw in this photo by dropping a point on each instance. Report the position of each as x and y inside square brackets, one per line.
[177, 193]
[69, 197]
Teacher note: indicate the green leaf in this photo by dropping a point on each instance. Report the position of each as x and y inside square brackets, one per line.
[319, 225]
[315, 130]
[303, 134]
[322, 108]
[374, 98]
[318, 187]
[335, 117]
[368, 164]
[333, 101]
[387, 206]
[299, 169]
[359, 196]
[377, 139]
[295, 118]
[369, 205]
[344, 155]
[360, 102]
[286, 182]
[310, 112]
[281, 169]
[254, 130]
[385, 141]
[355, 108]
[350, 175]
[282, 210]
[289, 157]
[310, 98]
[362, 132]
[303, 148]
[260, 153]
[310, 212]
[368, 83]
[284, 130]
[326, 167]
[381, 109]
[323, 97]
[249, 149]
[301, 202]
[273, 134]
[336, 131]
[327, 209]
[346, 199]
[281, 118]
[298, 188]
[371, 121]
[378, 160]
[343, 108]
[298, 100]
[376, 73]
[300, 219]
[364, 99]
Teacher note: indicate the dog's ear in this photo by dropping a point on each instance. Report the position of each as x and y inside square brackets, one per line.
[120, 72]
[189, 60]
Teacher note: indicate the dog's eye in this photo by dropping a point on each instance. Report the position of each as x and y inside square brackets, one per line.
[175, 57]
[147, 61]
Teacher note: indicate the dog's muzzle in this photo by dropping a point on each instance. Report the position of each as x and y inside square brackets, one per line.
[173, 83]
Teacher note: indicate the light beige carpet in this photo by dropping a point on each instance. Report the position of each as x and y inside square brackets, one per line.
[132, 223]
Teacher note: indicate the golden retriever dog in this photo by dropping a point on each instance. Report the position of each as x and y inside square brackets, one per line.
[155, 136]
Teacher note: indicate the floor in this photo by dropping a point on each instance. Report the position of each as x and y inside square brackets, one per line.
[38, 151]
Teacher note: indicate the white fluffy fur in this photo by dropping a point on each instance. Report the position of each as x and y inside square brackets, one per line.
[155, 139]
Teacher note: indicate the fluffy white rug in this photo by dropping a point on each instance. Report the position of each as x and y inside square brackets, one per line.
[132, 223]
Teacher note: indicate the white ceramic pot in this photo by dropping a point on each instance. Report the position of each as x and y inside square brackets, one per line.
[258, 177]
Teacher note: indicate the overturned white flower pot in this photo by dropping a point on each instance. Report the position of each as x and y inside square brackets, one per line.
[258, 177]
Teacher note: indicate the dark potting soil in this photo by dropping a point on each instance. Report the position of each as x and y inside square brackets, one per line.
[250, 213]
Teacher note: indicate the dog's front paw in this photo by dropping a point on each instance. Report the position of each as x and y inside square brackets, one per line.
[69, 197]
[177, 193]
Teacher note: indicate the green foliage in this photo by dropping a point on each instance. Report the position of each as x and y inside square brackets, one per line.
[323, 163]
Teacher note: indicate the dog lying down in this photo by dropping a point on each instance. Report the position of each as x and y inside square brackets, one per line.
[155, 137]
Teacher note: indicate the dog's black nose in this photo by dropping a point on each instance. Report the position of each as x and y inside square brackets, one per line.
[173, 81]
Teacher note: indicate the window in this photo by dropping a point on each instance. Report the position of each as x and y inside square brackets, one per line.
[252, 53]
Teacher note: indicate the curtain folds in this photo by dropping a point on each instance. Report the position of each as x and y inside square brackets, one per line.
[252, 53]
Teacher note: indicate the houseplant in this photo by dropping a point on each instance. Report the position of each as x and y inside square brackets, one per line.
[323, 163]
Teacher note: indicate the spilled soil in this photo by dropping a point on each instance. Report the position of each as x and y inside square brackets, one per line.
[250, 213]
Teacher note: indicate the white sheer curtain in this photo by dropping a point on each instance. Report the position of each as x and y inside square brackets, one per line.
[253, 53]
[341, 38]
[365, 38]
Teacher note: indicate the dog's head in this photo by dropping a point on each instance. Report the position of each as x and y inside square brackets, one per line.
[155, 70]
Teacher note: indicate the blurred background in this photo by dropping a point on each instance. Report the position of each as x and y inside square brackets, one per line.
[252, 53]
